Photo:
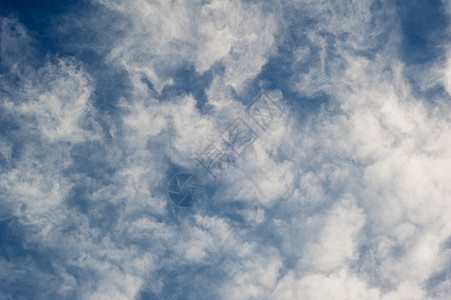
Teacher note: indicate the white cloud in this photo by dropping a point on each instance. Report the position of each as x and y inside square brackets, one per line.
[400, 150]
[252, 278]
[165, 35]
[379, 146]
[338, 285]
[54, 100]
[351, 203]
[336, 242]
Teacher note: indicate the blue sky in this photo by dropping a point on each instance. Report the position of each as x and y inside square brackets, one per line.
[347, 195]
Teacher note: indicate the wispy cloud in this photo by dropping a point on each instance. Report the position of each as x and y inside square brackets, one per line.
[346, 196]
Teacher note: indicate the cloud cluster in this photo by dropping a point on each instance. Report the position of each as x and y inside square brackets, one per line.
[349, 201]
[165, 35]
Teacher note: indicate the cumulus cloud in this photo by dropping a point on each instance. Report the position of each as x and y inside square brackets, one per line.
[349, 200]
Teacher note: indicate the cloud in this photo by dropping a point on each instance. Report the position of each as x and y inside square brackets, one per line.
[166, 35]
[349, 200]
[57, 107]
[341, 285]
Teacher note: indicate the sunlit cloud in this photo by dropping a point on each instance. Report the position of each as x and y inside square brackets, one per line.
[344, 195]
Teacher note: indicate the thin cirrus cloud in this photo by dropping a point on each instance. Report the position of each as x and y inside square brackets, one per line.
[345, 196]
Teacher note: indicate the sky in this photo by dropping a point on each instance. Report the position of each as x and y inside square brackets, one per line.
[346, 194]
